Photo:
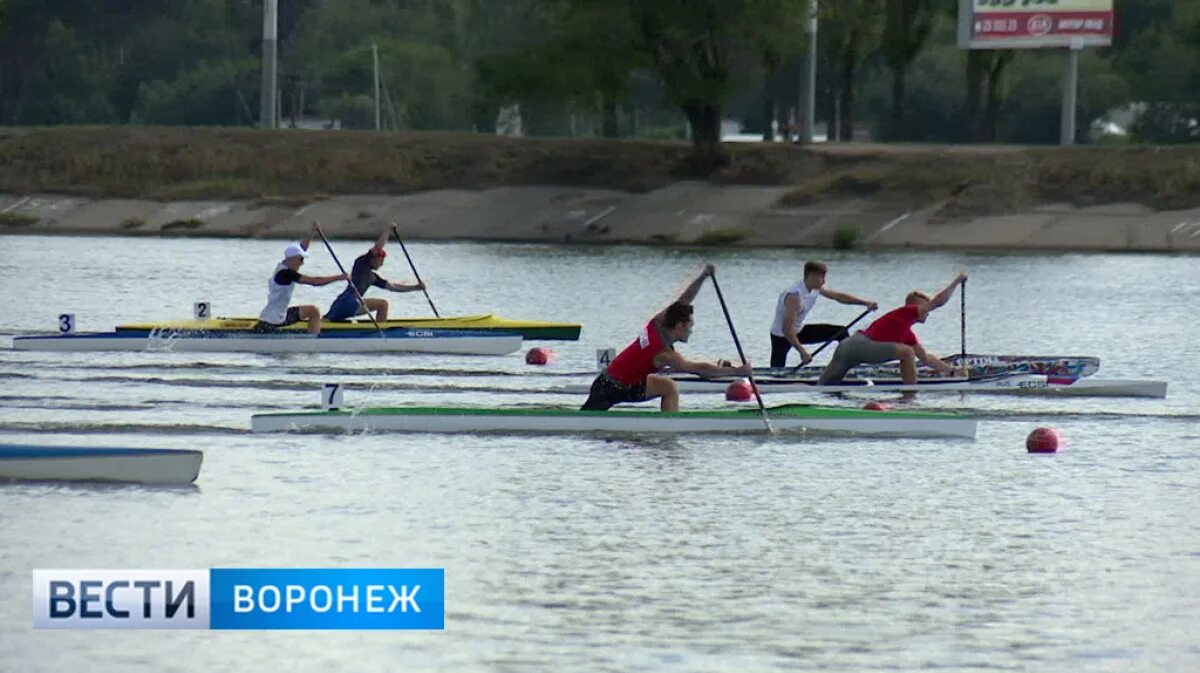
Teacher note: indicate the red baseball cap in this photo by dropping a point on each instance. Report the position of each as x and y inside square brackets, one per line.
[379, 252]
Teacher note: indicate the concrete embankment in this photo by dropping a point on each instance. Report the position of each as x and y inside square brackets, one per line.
[686, 213]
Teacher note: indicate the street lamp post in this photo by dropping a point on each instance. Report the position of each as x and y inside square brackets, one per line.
[266, 109]
[808, 79]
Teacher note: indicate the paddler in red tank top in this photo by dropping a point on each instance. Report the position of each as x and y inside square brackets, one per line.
[891, 338]
[631, 376]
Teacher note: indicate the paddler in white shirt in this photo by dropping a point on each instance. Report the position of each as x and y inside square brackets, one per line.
[280, 286]
[793, 307]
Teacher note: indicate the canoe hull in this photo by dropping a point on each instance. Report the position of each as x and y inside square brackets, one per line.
[200, 342]
[143, 466]
[449, 420]
[1002, 385]
[1064, 366]
[484, 322]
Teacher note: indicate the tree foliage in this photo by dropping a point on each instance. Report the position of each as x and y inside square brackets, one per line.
[604, 67]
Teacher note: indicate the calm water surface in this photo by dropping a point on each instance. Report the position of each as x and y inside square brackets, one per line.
[620, 553]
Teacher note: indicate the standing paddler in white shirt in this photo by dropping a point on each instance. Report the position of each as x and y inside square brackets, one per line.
[793, 307]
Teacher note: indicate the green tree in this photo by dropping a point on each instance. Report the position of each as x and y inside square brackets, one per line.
[907, 25]
[426, 88]
[851, 31]
[204, 95]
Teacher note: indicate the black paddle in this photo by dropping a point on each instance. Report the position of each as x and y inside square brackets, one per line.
[962, 297]
[414, 269]
[341, 268]
[844, 330]
[736, 342]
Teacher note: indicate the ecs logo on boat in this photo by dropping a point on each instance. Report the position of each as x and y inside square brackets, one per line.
[240, 598]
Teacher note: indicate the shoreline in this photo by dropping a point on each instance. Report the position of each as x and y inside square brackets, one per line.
[684, 214]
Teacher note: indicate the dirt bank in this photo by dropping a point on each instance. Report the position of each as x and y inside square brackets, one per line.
[235, 182]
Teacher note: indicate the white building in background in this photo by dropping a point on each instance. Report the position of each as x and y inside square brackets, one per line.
[732, 131]
[311, 124]
[1116, 122]
[508, 121]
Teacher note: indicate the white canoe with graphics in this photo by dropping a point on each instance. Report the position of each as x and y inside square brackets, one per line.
[979, 365]
[394, 340]
[61, 463]
[793, 417]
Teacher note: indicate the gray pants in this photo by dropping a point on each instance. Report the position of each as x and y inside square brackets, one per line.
[854, 351]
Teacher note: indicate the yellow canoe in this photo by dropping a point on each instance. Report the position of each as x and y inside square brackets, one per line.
[528, 329]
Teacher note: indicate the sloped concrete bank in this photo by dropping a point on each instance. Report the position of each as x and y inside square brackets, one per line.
[683, 213]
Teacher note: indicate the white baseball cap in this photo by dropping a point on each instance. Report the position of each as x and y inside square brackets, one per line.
[295, 250]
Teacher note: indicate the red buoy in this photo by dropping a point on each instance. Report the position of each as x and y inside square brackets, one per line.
[1045, 440]
[739, 391]
[540, 356]
[877, 406]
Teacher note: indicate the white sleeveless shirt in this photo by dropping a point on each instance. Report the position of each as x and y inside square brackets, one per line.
[807, 299]
[278, 298]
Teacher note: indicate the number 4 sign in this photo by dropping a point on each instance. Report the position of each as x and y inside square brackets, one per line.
[604, 356]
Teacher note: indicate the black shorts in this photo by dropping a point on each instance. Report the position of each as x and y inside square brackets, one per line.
[606, 392]
[817, 333]
[290, 318]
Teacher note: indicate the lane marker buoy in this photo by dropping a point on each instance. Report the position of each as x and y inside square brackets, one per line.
[1045, 440]
[739, 391]
[540, 355]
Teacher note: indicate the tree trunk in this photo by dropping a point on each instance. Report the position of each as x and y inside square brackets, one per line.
[784, 116]
[768, 134]
[705, 121]
[849, 57]
[898, 89]
[770, 93]
[991, 116]
[976, 65]
[608, 125]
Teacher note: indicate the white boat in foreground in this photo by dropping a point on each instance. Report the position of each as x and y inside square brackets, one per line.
[792, 417]
[62, 463]
[397, 340]
[1020, 384]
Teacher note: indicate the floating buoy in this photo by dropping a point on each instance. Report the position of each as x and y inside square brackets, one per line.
[1045, 440]
[874, 405]
[739, 391]
[540, 356]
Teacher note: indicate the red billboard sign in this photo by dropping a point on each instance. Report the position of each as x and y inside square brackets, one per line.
[1030, 24]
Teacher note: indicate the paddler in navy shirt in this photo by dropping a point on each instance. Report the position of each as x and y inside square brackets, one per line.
[363, 277]
[630, 376]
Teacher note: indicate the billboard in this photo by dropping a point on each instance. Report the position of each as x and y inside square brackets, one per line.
[1030, 24]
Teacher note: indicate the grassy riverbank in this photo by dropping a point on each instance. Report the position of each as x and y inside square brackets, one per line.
[299, 166]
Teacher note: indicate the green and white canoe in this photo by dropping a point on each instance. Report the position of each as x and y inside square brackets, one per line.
[791, 417]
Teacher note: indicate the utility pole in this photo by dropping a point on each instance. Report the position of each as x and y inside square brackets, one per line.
[1070, 89]
[808, 80]
[267, 105]
[375, 57]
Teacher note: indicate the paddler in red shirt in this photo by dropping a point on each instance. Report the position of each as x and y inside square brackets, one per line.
[630, 376]
[891, 338]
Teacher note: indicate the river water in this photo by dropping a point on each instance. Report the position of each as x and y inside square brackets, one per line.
[622, 553]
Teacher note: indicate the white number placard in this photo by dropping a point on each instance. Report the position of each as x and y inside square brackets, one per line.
[202, 310]
[66, 323]
[331, 395]
[604, 356]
